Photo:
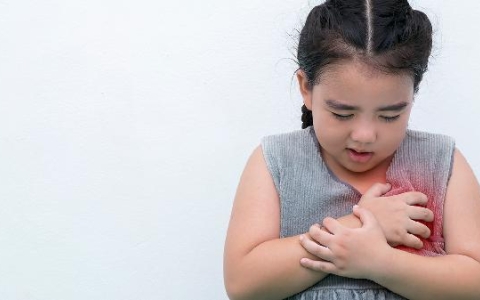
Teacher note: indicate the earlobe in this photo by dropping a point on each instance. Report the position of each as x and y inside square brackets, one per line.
[305, 89]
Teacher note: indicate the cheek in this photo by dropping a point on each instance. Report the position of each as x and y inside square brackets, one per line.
[330, 132]
[394, 136]
[324, 120]
[330, 137]
[397, 129]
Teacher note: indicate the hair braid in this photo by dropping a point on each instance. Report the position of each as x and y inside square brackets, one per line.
[307, 118]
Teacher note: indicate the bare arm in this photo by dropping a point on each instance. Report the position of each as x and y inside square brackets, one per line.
[257, 263]
[456, 275]
[453, 276]
[260, 265]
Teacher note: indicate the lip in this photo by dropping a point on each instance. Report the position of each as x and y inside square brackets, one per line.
[359, 156]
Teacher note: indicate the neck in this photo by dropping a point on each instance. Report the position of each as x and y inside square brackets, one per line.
[361, 181]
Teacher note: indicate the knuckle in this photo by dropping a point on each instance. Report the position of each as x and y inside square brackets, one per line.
[413, 241]
[317, 252]
[426, 213]
[408, 198]
[418, 196]
[423, 197]
[315, 232]
[417, 244]
[398, 232]
[426, 232]
[327, 221]
[395, 236]
[310, 264]
[323, 268]
[429, 215]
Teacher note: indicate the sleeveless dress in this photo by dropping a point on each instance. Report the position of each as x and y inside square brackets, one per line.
[309, 192]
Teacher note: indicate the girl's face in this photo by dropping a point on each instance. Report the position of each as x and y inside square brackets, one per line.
[360, 116]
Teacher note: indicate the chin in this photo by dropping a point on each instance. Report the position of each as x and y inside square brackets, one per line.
[359, 168]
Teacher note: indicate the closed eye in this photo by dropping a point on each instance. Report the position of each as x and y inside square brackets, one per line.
[389, 119]
[342, 117]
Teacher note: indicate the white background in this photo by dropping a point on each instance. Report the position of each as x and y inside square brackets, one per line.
[125, 125]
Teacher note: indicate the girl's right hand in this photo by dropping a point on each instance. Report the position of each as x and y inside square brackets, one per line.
[399, 215]
[350, 252]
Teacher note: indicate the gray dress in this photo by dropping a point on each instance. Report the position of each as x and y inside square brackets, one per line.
[309, 192]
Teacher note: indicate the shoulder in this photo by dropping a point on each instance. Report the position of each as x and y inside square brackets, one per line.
[426, 145]
[289, 151]
[290, 145]
[428, 138]
[428, 154]
[288, 139]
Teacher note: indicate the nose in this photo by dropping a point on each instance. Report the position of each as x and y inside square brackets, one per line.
[363, 133]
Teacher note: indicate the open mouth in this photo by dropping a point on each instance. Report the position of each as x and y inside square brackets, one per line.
[358, 156]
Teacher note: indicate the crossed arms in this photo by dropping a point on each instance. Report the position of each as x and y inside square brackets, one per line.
[259, 265]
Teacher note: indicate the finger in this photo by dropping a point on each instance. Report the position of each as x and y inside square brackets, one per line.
[420, 213]
[332, 225]
[313, 230]
[419, 229]
[319, 266]
[314, 248]
[365, 216]
[416, 198]
[318, 234]
[378, 189]
[412, 241]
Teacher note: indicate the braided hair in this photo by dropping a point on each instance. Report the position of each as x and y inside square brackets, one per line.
[386, 34]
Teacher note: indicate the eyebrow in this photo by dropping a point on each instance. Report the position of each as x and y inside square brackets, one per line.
[394, 107]
[340, 106]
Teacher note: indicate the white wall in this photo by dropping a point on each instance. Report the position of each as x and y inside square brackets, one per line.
[125, 125]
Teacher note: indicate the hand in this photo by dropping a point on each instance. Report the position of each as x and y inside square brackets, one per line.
[398, 215]
[354, 253]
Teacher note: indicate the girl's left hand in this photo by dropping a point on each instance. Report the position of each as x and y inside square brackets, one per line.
[354, 253]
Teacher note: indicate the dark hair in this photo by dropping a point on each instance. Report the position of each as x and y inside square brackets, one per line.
[385, 34]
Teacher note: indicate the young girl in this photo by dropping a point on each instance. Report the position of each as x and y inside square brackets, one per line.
[399, 209]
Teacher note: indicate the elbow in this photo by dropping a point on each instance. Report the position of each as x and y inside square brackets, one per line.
[234, 289]
[232, 279]
[232, 293]
[240, 281]
[237, 287]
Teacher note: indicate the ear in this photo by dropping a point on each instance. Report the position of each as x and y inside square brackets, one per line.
[305, 89]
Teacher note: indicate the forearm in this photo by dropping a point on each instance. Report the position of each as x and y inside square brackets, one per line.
[442, 277]
[350, 221]
[271, 271]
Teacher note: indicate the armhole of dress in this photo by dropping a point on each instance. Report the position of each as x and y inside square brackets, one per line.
[452, 156]
[272, 165]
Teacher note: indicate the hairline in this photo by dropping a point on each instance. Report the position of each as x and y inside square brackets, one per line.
[375, 68]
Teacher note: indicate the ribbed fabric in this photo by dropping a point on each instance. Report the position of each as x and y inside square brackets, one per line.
[309, 192]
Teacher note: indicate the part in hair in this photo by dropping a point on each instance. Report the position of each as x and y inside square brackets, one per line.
[387, 35]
